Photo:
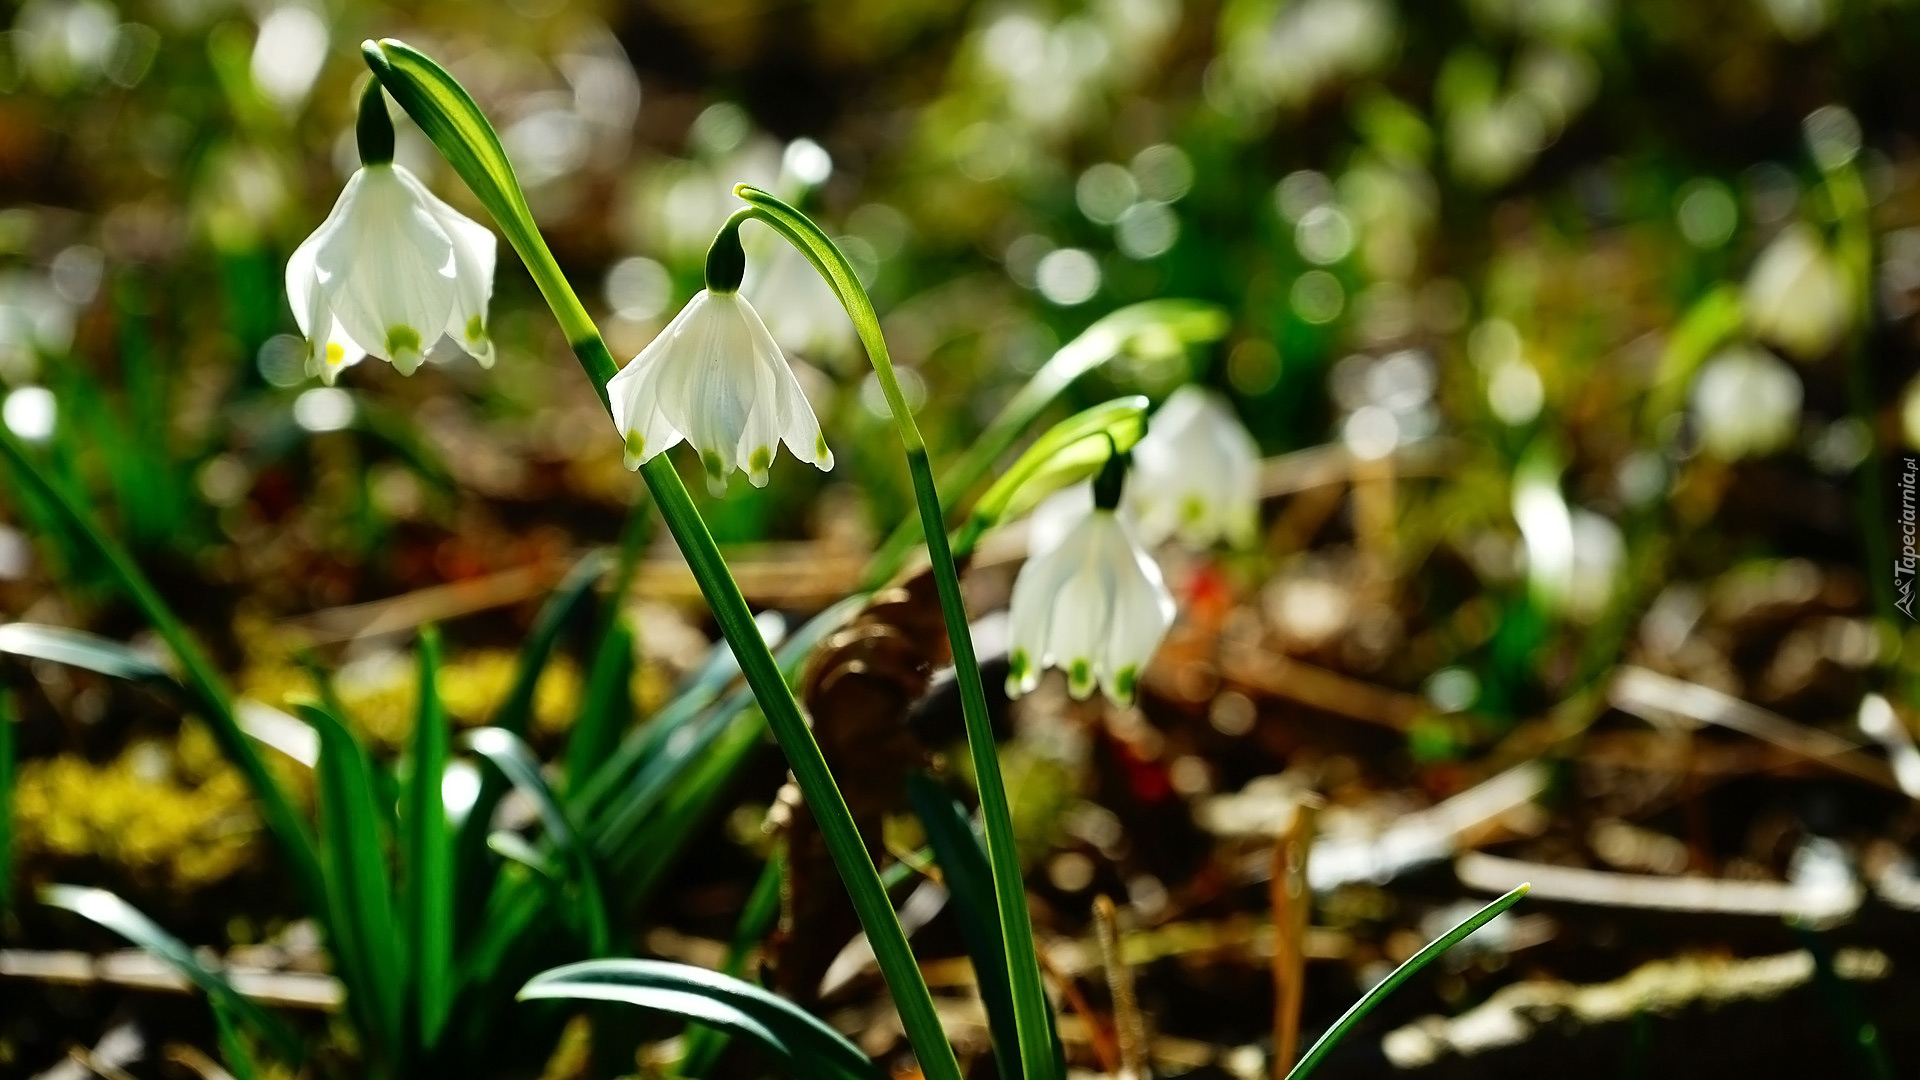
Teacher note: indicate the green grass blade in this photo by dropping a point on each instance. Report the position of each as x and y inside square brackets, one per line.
[353, 853]
[762, 910]
[426, 857]
[90, 652]
[108, 910]
[472, 865]
[517, 763]
[1181, 322]
[804, 1044]
[233, 1048]
[1401, 974]
[969, 880]
[606, 707]
[209, 691]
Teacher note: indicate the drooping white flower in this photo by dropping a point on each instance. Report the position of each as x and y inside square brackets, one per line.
[1196, 473]
[1798, 296]
[715, 378]
[389, 272]
[1094, 606]
[1746, 402]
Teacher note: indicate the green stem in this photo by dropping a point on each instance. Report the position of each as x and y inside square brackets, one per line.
[1009, 885]
[210, 691]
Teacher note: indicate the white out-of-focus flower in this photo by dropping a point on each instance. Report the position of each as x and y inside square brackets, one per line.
[1094, 605]
[1196, 473]
[715, 378]
[389, 272]
[1747, 403]
[1799, 296]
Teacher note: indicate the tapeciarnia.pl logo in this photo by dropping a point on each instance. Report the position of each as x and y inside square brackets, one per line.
[1908, 561]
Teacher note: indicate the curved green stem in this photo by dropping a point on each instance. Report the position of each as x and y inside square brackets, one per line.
[455, 124]
[1023, 966]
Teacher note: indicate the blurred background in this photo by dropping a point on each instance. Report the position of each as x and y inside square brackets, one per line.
[1579, 333]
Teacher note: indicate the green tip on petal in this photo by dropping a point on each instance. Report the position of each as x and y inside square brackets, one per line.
[1019, 666]
[716, 468]
[760, 460]
[402, 339]
[476, 330]
[1124, 683]
[820, 452]
[1080, 678]
[636, 449]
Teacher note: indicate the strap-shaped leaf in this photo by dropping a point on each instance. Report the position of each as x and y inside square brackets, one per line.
[359, 895]
[89, 652]
[517, 763]
[426, 861]
[801, 1041]
[1352, 1017]
[969, 880]
[108, 910]
[1071, 450]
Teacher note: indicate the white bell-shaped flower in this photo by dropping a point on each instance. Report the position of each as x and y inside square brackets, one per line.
[389, 272]
[1746, 402]
[715, 378]
[1798, 296]
[1196, 473]
[1093, 605]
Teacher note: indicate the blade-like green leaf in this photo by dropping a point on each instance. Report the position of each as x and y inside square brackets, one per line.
[91, 652]
[969, 880]
[1157, 324]
[426, 861]
[239, 1059]
[705, 1044]
[208, 691]
[473, 869]
[1401, 974]
[1071, 450]
[606, 706]
[805, 1044]
[517, 763]
[360, 899]
[100, 906]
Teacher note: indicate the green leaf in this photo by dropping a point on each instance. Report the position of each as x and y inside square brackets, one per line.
[426, 860]
[757, 918]
[606, 706]
[1153, 324]
[799, 1040]
[1401, 974]
[108, 910]
[239, 1059]
[472, 868]
[517, 763]
[90, 652]
[208, 692]
[1069, 451]
[969, 880]
[353, 854]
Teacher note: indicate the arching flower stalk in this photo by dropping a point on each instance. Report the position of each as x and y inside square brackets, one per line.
[392, 269]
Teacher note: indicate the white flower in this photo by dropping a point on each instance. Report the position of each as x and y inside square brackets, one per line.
[1094, 606]
[1747, 403]
[1798, 296]
[715, 378]
[390, 271]
[1196, 473]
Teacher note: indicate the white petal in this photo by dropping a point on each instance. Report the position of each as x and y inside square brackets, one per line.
[1076, 640]
[1143, 609]
[387, 268]
[789, 413]
[474, 250]
[1196, 473]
